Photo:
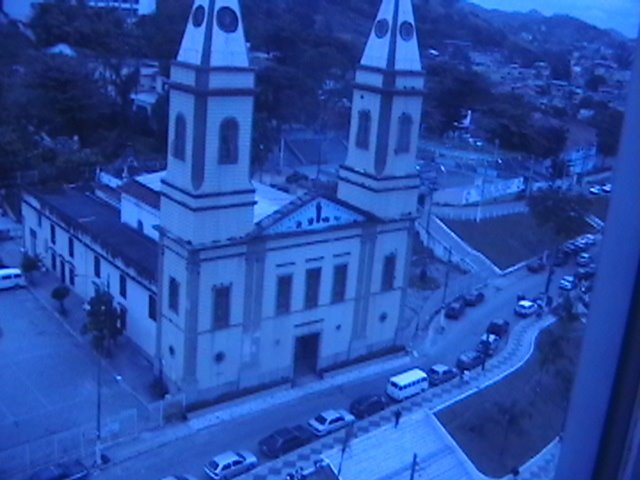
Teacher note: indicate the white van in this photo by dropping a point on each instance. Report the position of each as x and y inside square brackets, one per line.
[407, 384]
[10, 278]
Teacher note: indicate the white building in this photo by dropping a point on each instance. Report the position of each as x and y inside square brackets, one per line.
[22, 10]
[254, 287]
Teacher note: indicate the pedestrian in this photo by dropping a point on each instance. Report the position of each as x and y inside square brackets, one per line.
[396, 415]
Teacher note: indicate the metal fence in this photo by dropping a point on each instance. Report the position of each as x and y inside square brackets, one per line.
[80, 442]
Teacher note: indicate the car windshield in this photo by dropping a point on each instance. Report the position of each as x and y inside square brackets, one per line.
[321, 419]
[213, 465]
[240, 456]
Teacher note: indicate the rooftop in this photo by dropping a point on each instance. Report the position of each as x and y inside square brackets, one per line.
[86, 213]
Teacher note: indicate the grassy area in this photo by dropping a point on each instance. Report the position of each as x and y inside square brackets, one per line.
[505, 425]
[506, 240]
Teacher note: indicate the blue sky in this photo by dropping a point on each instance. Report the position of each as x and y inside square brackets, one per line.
[623, 15]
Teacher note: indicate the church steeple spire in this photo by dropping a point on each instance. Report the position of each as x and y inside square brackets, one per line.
[392, 43]
[379, 174]
[214, 36]
[207, 190]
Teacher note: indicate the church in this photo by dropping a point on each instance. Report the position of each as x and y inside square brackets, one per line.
[227, 284]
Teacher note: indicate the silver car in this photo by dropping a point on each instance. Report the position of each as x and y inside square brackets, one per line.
[329, 421]
[230, 464]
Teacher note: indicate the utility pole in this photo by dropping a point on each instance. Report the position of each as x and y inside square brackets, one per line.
[414, 464]
[444, 290]
[98, 459]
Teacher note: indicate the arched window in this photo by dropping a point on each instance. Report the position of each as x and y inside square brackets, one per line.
[228, 141]
[179, 150]
[405, 122]
[364, 129]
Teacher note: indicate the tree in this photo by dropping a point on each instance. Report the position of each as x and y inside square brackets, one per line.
[349, 435]
[29, 265]
[594, 82]
[608, 125]
[60, 294]
[103, 321]
[560, 212]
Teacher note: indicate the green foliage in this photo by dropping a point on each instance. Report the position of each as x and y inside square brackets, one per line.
[29, 264]
[60, 294]
[608, 124]
[560, 212]
[103, 321]
[594, 82]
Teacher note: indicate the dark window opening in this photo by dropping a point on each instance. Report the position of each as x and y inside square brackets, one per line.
[174, 295]
[339, 289]
[52, 233]
[388, 271]
[312, 287]
[283, 294]
[123, 286]
[180, 138]
[221, 306]
[152, 308]
[71, 248]
[364, 129]
[97, 266]
[405, 122]
[228, 141]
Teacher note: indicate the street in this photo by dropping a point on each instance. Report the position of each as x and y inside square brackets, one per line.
[189, 454]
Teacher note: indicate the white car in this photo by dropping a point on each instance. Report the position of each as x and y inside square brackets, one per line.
[525, 308]
[230, 464]
[596, 190]
[329, 421]
[606, 188]
[584, 259]
[568, 283]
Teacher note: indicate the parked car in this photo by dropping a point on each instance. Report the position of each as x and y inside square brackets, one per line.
[469, 360]
[525, 308]
[488, 344]
[455, 309]
[439, 374]
[367, 405]
[568, 283]
[498, 327]
[596, 190]
[536, 265]
[407, 384]
[584, 259]
[329, 421]
[585, 273]
[589, 239]
[70, 470]
[606, 188]
[285, 440]
[230, 464]
[473, 298]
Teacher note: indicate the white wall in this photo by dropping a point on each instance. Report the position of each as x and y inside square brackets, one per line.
[133, 211]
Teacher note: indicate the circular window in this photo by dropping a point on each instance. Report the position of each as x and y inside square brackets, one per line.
[406, 31]
[219, 357]
[172, 351]
[227, 19]
[383, 317]
[381, 28]
[198, 16]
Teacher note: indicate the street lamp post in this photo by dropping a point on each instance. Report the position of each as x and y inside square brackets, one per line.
[98, 452]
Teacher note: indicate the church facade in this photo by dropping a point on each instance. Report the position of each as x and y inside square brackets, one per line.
[249, 292]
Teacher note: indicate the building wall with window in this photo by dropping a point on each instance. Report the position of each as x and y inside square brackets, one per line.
[78, 270]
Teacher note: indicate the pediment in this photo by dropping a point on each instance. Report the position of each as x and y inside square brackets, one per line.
[317, 214]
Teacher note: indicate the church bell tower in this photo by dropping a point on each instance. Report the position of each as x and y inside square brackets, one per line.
[207, 194]
[380, 174]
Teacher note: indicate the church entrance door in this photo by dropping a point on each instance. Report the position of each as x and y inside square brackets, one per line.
[306, 355]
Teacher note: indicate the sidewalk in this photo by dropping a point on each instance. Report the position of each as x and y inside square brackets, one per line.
[374, 430]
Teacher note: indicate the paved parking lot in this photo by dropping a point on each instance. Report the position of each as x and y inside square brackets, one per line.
[48, 376]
